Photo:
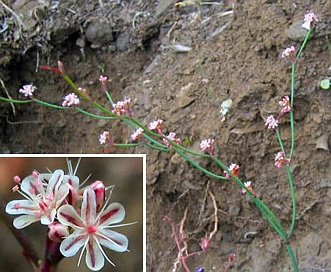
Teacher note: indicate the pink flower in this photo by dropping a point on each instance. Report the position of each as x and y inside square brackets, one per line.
[136, 135]
[171, 136]
[156, 125]
[286, 104]
[91, 230]
[103, 79]
[27, 90]
[122, 107]
[271, 122]
[309, 20]
[208, 146]
[289, 53]
[248, 185]
[234, 168]
[280, 159]
[70, 99]
[104, 137]
[44, 194]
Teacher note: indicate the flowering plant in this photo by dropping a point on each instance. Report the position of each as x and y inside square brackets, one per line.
[78, 217]
[154, 137]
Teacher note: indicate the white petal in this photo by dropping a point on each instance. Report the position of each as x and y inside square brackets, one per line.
[23, 207]
[24, 221]
[114, 213]
[48, 218]
[55, 181]
[71, 244]
[94, 257]
[89, 206]
[113, 240]
[72, 180]
[61, 194]
[67, 215]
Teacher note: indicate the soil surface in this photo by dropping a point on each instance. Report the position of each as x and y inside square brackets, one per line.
[179, 64]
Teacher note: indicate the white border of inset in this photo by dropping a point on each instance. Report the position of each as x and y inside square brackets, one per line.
[99, 156]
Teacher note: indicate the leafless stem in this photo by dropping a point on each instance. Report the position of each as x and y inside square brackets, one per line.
[28, 249]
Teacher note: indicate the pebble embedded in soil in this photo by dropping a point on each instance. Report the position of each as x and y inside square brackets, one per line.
[296, 32]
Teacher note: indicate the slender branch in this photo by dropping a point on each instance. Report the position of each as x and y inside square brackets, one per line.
[29, 250]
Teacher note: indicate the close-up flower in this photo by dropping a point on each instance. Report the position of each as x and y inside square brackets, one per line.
[271, 122]
[44, 193]
[248, 185]
[70, 99]
[91, 230]
[28, 90]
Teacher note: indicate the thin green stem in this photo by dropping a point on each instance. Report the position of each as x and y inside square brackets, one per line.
[294, 206]
[291, 112]
[292, 256]
[304, 43]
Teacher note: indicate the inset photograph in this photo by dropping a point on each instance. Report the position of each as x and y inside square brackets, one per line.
[72, 213]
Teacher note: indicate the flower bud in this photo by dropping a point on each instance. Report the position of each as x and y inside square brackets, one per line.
[17, 179]
[205, 242]
[57, 231]
[100, 193]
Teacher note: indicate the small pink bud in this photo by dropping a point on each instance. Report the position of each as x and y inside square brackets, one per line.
[232, 257]
[167, 219]
[15, 188]
[205, 242]
[35, 174]
[17, 179]
[57, 231]
[100, 193]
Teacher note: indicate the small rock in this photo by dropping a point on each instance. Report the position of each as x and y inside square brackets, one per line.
[183, 97]
[322, 142]
[123, 42]
[296, 32]
[99, 32]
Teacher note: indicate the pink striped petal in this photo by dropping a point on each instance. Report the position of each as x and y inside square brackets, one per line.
[24, 221]
[21, 207]
[113, 240]
[114, 213]
[94, 257]
[55, 181]
[68, 216]
[89, 207]
[71, 244]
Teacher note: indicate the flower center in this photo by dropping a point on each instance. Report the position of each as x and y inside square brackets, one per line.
[92, 229]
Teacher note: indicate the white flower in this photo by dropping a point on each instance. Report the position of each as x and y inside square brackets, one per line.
[104, 137]
[271, 122]
[27, 89]
[70, 99]
[91, 230]
[44, 193]
[310, 17]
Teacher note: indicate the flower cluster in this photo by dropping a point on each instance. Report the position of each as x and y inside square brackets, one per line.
[138, 134]
[234, 169]
[271, 122]
[104, 137]
[208, 145]
[285, 103]
[289, 53]
[172, 137]
[280, 159]
[28, 90]
[70, 99]
[309, 20]
[77, 218]
[122, 107]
